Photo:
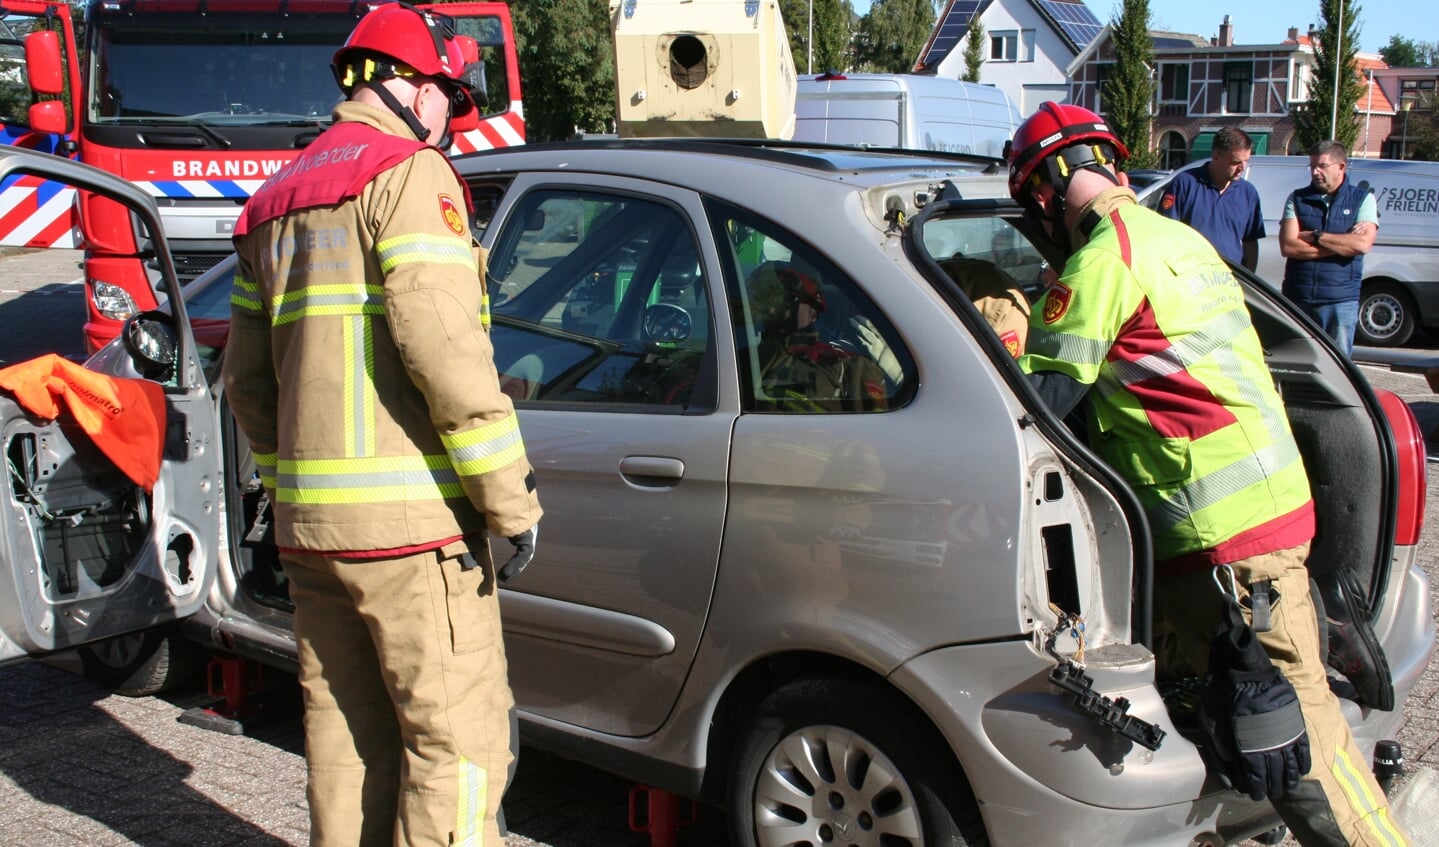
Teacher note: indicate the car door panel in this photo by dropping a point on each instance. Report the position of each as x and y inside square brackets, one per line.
[630, 460]
[87, 553]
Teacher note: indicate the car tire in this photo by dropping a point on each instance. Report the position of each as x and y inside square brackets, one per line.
[896, 785]
[142, 663]
[1387, 316]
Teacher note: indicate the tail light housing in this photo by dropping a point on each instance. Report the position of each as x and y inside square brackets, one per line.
[1413, 470]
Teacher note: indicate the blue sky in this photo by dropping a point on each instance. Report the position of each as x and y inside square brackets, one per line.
[1268, 22]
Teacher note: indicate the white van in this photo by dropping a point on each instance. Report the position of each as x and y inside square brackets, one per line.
[1401, 272]
[904, 110]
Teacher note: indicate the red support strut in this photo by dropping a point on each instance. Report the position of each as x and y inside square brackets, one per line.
[661, 818]
[234, 686]
[233, 681]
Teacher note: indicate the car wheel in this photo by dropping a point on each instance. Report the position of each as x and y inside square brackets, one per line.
[1387, 315]
[142, 663]
[835, 762]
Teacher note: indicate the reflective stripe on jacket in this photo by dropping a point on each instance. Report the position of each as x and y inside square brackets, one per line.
[1329, 279]
[359, 363]
[1183, 406]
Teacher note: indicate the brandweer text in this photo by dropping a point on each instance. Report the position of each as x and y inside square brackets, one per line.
[208, 170]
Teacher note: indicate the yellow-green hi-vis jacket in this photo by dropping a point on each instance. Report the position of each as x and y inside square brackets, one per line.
[1183, 406]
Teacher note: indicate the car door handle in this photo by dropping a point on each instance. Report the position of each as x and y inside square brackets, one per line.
[652, 471]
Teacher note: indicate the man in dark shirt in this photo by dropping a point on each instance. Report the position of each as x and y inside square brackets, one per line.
[1214, 199]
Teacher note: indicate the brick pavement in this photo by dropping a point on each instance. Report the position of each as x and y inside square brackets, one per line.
[82, 768]
[42, 304]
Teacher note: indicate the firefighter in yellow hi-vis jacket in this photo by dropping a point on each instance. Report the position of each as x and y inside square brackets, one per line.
[359, 366]
[1150, 324]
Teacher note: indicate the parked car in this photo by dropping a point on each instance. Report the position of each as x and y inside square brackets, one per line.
[825, 612]
[1141, 178]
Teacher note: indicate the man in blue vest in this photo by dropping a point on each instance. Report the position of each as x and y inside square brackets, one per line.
[1327, 228]
[1214, 199]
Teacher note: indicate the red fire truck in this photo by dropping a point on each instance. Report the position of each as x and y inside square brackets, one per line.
[197, 101]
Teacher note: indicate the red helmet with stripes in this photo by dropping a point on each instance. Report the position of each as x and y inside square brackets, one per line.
[396, 39]
[1054, 127]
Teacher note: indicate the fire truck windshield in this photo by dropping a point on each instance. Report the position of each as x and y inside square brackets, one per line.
[228, 70]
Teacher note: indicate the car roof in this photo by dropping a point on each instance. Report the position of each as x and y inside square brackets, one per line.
[713, 164]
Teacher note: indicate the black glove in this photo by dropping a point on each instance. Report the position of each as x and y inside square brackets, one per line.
[1251, 714]
[524, 552]
[1269, 733]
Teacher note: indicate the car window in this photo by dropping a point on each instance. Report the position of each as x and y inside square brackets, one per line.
[809, 340]
[600, 299]
[990, 239]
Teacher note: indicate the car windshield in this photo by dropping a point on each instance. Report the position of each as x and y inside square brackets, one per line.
[238, 69]
[208, 297]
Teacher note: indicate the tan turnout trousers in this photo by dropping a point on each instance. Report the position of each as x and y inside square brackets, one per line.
[1338, 802]
[406, 698]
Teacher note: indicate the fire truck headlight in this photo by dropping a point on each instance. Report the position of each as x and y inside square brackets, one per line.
[112, 301]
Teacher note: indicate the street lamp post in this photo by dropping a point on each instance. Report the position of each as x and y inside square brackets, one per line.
[1405, 104]
[1368, 108]
[809, 42]
[1338, 62]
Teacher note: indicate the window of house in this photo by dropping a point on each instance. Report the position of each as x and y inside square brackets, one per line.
[1004, 46]
[1173, 150]
[1174, 83]
[1026, 45]
[1238, 87]
[1297, 75]
[1102, 73]
[1419, 92]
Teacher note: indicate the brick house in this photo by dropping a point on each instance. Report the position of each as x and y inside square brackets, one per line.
[1406, 92]
[1207, 84]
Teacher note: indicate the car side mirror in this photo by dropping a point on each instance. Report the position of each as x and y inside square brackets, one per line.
[150, 340]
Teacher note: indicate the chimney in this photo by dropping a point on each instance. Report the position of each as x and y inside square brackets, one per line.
[1226, 33]
[1294, 34]
[1311, 33]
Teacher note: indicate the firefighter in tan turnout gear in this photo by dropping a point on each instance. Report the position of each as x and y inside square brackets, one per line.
[360, 368]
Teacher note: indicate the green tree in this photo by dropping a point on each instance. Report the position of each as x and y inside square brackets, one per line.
[892, 34]
[1128, 95]
[567, 67]
[1423, 136]
[1401, 52]
[831, 33]
[1323, 115]
[973, 50]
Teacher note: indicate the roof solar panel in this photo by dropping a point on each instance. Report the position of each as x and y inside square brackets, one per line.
[951, 31]
[1074, 19]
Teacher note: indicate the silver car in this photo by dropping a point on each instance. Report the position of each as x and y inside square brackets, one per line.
[813, 550]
